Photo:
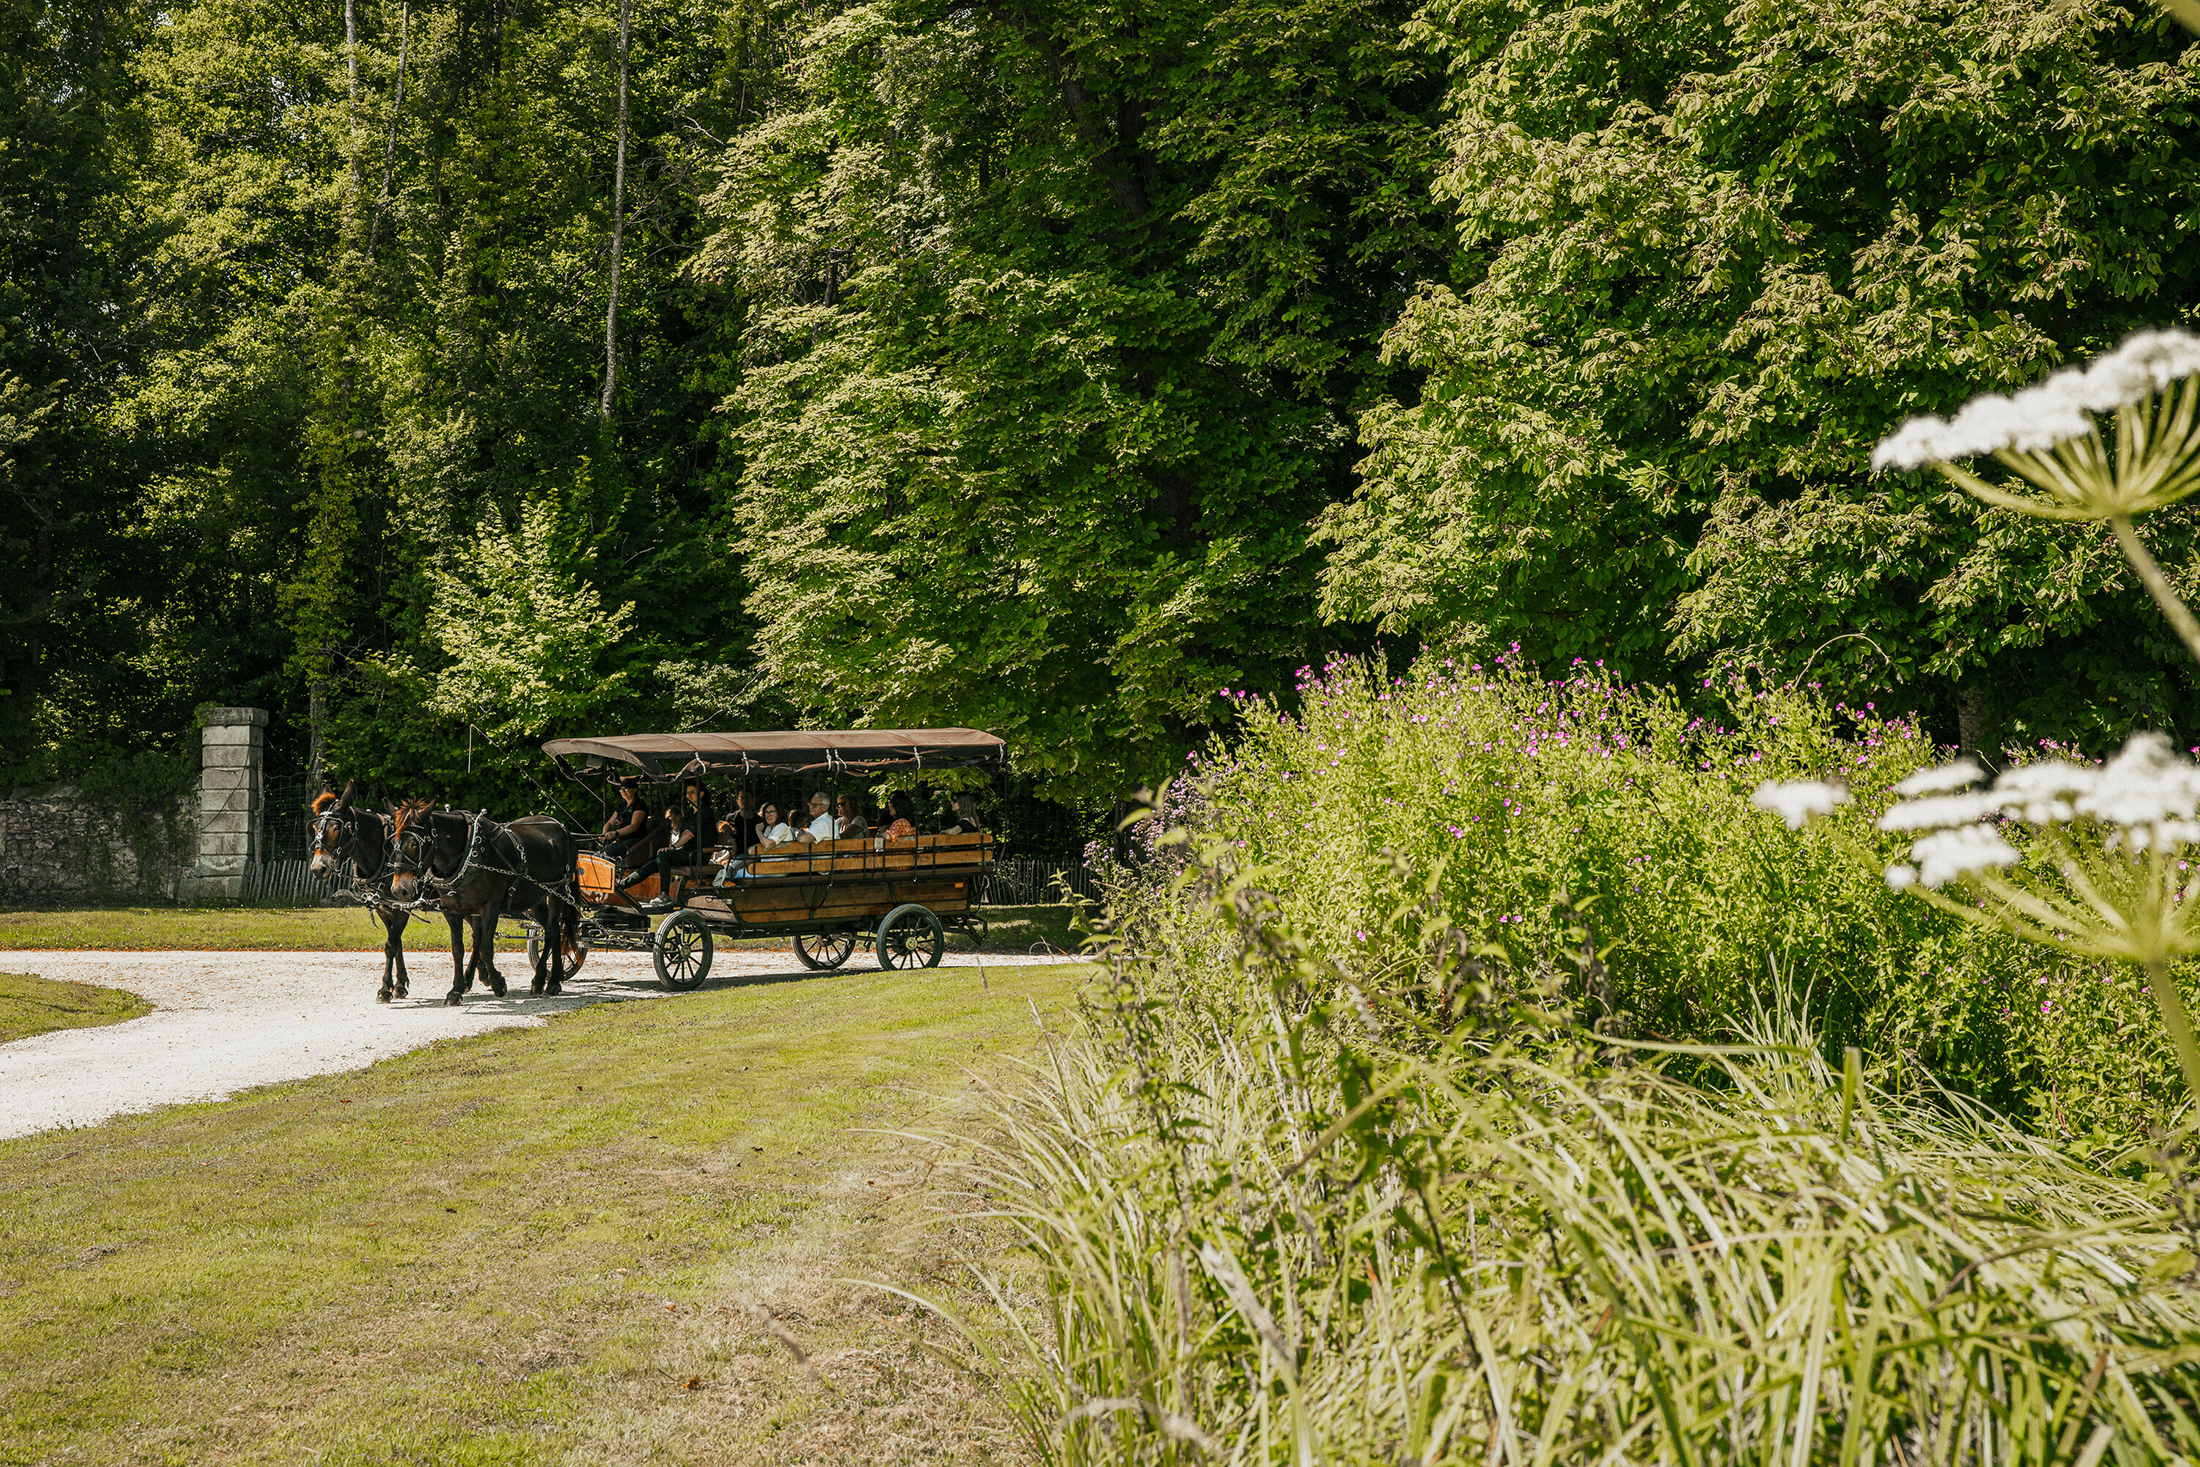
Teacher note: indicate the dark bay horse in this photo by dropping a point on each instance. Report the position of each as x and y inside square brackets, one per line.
[343, 835]
[479, 869]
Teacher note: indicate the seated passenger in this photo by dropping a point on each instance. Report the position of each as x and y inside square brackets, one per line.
[852, 825]
[774, 838]
[702, 811]
[738, 830]
[904, 826]
[966, 817]
[682, 850]
[771, 830]
[822, 826]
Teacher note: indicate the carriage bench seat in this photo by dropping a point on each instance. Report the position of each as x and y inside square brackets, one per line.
[853, 857]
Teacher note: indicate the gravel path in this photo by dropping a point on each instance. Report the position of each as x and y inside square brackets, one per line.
[226, 1021]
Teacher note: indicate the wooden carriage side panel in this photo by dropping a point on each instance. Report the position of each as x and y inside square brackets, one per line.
[597, 877]
[940, 852]
[840, 857]
[855, 902]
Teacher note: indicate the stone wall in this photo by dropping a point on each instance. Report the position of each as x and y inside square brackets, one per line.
[57, 847]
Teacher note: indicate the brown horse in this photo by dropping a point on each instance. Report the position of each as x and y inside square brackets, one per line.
[480, 868]
[360, 839]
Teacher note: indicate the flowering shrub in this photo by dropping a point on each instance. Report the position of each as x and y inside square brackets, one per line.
[1540, 805]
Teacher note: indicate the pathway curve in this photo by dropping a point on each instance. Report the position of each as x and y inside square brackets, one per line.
[226, 1021]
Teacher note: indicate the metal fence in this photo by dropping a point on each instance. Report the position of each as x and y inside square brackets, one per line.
[286, 826]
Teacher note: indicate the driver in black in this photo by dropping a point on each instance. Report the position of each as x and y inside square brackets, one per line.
[628, 823]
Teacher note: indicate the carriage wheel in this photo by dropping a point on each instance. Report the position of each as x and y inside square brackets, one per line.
[573, 959]
[681, 951]
[911, 937]
[827, 951]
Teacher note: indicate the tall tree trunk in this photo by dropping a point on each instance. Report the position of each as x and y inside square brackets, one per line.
[1971, 718]
[397, 111]
[317, 723]
[618, 224]
[43, 588]
[327, 539]
[351, 140]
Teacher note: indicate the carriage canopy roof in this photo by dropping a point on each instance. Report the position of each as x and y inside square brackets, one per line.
[856, 751]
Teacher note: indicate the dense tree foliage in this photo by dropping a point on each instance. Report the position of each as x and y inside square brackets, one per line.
[73, 578]
[1061, 319]
[1047, 368]
[1716, 257]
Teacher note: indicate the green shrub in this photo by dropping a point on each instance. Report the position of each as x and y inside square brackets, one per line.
[1531, 800]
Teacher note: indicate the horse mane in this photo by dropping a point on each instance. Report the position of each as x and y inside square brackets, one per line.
[407, 813]
[327, 798]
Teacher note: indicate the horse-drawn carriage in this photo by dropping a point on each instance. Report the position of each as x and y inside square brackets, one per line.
[899, 897]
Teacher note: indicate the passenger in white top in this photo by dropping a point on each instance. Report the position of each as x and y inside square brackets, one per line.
[822, 824]
[771, 831]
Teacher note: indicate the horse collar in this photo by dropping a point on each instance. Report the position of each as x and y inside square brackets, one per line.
[473, 844]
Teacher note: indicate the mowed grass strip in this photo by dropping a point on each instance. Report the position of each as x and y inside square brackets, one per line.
[211, 929]
[352, 929]
[530, 1246]
[31, 1005]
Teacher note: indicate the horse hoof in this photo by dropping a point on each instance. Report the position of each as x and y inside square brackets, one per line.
[383, 996]
[497, 989]
[451, 1000]
[555, 988]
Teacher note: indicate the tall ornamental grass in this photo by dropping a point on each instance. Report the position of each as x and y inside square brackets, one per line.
[1537, 803]
[1290, 1203]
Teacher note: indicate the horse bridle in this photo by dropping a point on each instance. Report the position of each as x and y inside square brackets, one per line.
[343, 821]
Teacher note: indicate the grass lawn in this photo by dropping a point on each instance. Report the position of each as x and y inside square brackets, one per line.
[351, 929]
[33, 1005]
[530, 1246]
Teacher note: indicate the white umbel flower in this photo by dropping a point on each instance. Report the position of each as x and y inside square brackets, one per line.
[1938, 781]
[1947, 854]
[2147, 796]
[1937, 812]
[1799, 800]
[2056, 411]
[2146, 785]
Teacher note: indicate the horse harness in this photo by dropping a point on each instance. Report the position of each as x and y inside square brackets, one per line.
[437, 890]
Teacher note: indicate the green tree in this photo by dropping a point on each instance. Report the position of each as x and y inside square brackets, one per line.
[68, 584]
[1714, 258]
[524, 638]
[375, 321]
[1060, 318]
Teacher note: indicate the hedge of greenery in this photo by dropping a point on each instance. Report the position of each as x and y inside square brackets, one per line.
[1481, 1079]
[1535, 804]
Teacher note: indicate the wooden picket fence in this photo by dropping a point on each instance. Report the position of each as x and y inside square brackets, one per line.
[1020, 881]
[281, 884]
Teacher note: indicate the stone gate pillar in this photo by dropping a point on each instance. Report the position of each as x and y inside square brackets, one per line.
[232, 800]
